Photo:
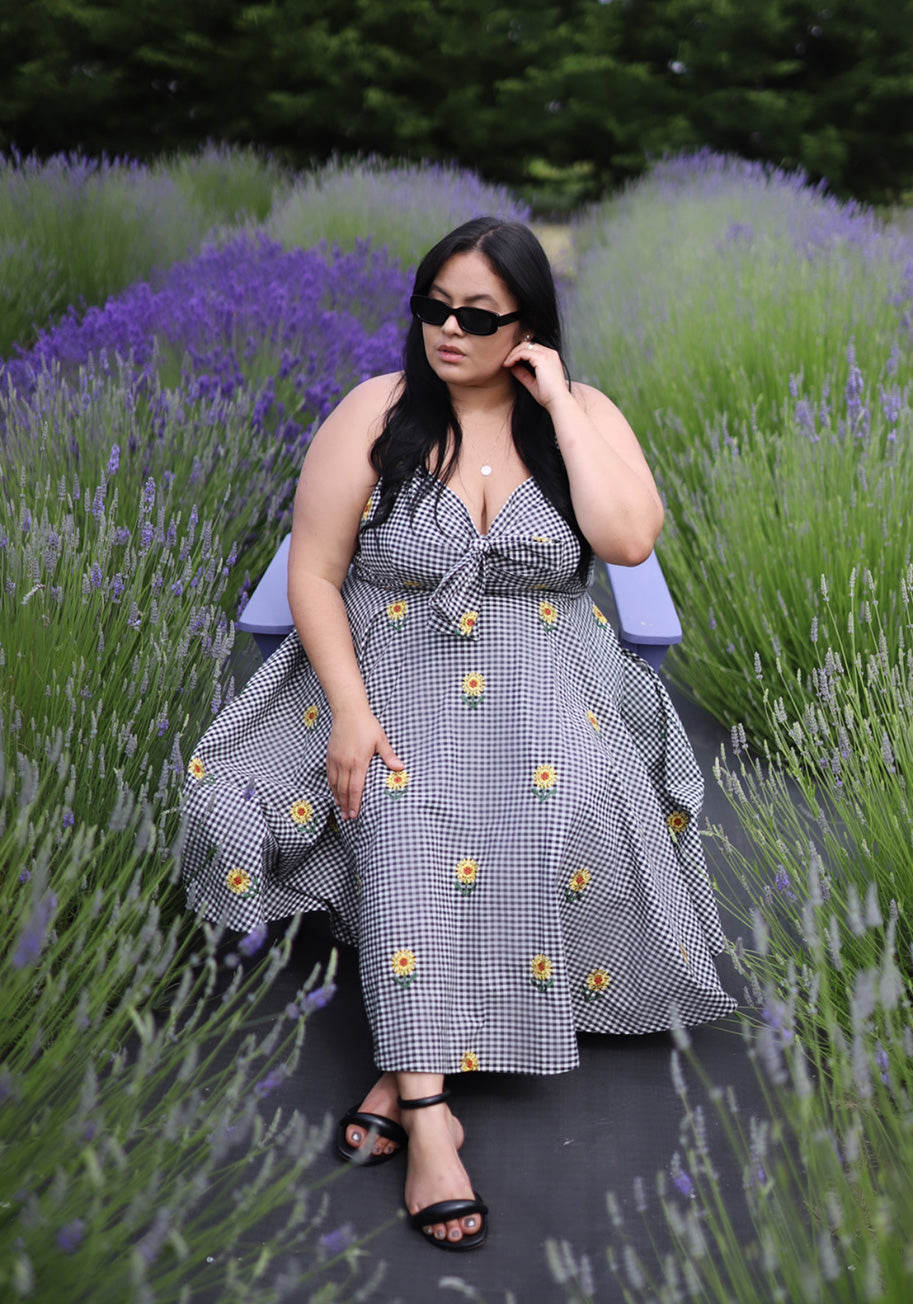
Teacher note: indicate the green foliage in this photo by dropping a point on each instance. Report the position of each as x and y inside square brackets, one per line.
[591, 90]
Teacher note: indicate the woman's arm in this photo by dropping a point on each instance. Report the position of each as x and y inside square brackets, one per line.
[615, 498]
[336, 480]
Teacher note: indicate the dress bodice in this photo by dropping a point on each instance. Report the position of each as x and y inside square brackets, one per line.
[430, 542]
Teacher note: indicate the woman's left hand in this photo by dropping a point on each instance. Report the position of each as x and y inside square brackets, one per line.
[539, 369]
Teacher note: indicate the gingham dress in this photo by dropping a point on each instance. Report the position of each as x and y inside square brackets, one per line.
[536, 868]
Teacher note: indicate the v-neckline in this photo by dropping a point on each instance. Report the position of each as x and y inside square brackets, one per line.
[498, 514]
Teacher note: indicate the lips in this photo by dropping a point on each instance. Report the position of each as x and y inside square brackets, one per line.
[447, 354]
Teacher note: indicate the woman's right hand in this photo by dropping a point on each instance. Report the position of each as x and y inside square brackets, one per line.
[354, 739]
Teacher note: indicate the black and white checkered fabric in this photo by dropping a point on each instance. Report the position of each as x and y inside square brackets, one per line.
[537, 867]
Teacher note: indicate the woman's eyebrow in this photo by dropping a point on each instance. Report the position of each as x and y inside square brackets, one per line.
[472, 298]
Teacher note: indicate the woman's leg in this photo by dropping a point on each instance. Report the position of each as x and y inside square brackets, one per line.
[435, 1172]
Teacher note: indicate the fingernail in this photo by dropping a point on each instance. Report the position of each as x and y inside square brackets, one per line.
[351, 814]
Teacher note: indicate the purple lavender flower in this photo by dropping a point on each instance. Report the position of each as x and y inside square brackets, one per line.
[24, 876]
[113, 460]
[319, 998]
[883, 1062]
[177, 588]
[337, 1241]
[272, 1080]
[253, 942]
[69, 819]
[163, 726]
[783, 885]
[33, 936]
[71, 1235]
[292, 1011]
[682, 1182]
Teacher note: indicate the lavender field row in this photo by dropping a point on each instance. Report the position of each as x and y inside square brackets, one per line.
[172, 339]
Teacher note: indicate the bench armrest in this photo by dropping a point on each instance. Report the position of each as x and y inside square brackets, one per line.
[647, 620]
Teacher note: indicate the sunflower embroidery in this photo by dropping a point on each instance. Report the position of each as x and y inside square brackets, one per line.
[593, 719]
[241, 884]
[600, 619]
[542, 978]
[403, 963]
[196, 769]
[470, 1062]
[473, 688]
[397, 782]
[396, 613]
[467, 876]
[677, 822]
[301, 811]
[544, 779]
[468, 622]
[366, 511]
[595, 984]
[311, 716]
[548, 614]
[541, 538]
[578, 884]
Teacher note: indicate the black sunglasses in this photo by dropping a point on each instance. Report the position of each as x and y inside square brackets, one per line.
[474, 321]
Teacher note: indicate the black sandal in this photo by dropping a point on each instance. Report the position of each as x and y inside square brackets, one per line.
[447, 1210]
[384, 1127]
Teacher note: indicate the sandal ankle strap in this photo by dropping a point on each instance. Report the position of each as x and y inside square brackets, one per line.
[424, 1101]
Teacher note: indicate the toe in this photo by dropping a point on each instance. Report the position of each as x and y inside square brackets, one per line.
[471, 1224]
[354, 1135]
[454, 1231]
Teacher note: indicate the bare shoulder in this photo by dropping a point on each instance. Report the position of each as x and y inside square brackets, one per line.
[593, 400]
[367, 404]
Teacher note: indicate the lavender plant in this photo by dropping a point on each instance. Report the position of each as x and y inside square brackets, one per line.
[757, 335]
[404, 207]
[118, 1114]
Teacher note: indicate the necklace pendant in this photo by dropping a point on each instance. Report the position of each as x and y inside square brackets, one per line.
[486, 469]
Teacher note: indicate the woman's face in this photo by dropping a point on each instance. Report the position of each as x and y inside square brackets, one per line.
[468, 281]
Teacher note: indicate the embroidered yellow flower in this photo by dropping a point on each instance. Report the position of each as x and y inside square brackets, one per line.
[684, 954]
[467, 875]
[599, 617]
[196, 769]
[397, 782]
[238, 881]
[593, 719]
[541, 966]
[311, 716]
[473, 688]
[396, 612]
[548, 614]
[541, 538]
[678, 821]
[468, 622]
[366, 512]
[403, 963]
[470, 1062]
[578, 884]
[302, 812]
[544, 779]
[595, 983]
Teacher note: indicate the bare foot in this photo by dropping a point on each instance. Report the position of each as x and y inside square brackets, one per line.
[381, 1099]
[435, 1171]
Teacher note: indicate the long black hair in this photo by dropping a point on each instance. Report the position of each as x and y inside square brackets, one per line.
[417, 426]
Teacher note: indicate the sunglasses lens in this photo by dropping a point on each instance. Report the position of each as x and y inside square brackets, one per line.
[477, 321]
[434, 312]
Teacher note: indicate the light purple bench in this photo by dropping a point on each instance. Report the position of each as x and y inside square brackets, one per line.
[647, 620]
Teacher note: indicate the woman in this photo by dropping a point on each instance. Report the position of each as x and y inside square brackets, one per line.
[491, 798]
